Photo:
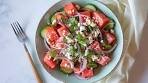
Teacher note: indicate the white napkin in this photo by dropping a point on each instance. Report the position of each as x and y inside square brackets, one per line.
[131, 14]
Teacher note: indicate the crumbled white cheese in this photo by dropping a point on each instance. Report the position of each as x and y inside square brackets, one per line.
[86, 52]
[75, 46]
[77, 32]
[68, 55]
[78, 24]
[69, 24]
[96, 33]
[54, 21]
[102, 41]
[90, 39]
[69, 40]
[88, 21]
[77, 54]
[85, 24]
[92, 24]
[82, 34]
[94, 57]
[75, 40]
[112, 31]
[82, 28]
[84, 44]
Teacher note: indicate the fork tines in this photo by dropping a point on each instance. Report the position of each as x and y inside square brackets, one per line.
[18, 31]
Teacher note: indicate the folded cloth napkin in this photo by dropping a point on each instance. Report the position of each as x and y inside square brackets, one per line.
[131, 14]
[132, 17]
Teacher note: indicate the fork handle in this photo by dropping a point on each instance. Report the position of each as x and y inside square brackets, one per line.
[37, 75]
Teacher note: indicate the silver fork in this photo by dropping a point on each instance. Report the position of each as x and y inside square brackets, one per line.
[22, 37]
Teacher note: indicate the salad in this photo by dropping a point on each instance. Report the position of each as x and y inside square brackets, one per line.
[79, 40]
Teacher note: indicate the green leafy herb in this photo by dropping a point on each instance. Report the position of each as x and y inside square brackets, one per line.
[73, 24]
[89, 53]
[64, 20]
[92, 64]
[72, 50]
[90, 29]
[106, 46]
[53, 53]
[81, 40]
[65, 40]
[70, 36]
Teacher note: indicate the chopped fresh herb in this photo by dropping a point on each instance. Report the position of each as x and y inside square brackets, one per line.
[72, 50]
[90, 29]
[81, 40]
[70, 36]
[64, 20]
[106, 46]
[90, 53]
[65, 40]
[73, 24]
[92, 64]
[89, 60]
[52, 53]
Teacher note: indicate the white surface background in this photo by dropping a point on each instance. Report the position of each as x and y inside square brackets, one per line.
[14, 65]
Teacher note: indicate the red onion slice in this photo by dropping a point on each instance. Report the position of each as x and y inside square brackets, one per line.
[83, 65]
[61, 23]
[80, 18]
[78, 14]
[46, 45]
[100, 33]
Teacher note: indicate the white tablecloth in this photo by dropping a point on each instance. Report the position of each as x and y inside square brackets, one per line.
[15, 67]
